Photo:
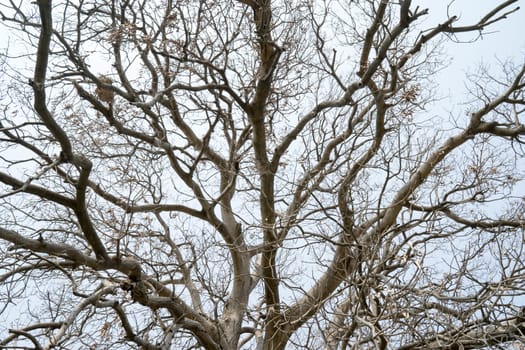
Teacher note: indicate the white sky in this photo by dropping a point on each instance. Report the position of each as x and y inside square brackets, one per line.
[503, 40]
[500, 41]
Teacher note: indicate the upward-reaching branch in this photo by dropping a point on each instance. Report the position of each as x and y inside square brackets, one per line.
[255, 174]
[39, 80]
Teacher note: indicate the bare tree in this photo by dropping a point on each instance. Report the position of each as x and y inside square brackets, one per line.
[255, 174]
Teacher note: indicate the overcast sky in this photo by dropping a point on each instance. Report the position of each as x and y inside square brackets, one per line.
[500, 41]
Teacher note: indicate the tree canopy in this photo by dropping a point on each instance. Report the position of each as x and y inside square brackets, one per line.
[255, 174]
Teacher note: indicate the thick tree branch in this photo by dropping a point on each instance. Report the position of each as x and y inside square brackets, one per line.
[39, 80]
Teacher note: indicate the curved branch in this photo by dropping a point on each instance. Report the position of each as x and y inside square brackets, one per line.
[39, 79]
[55, 339]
